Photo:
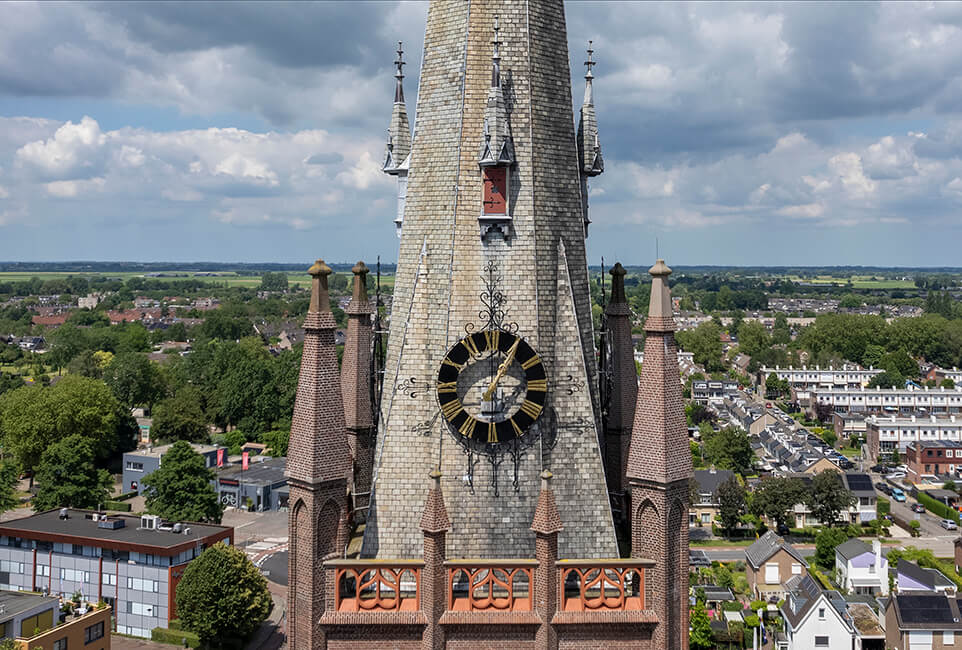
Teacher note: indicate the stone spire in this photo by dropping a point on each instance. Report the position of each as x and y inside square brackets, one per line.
[397, 155]
[318, 449]
[434, 518]
[624, 388]
[659, 470]
[546, 518]
[589, 146]
[497, 147]
[356, 382]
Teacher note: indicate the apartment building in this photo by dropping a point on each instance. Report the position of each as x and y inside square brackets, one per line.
[131, 563]
[804, 380]
[932, 458]
[938, 401]
[713, 392]
[884, 434]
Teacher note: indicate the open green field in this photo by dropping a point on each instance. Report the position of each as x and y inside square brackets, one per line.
[858, 281]
[224, 278]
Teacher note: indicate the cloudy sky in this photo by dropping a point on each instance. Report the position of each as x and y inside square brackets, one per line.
[734, 133]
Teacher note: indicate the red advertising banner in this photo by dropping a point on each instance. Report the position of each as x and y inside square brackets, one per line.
[245, 460]
[220, 457]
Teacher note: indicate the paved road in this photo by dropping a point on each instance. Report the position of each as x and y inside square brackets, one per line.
[275, 567]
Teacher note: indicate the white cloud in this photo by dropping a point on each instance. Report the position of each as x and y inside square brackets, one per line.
[4, 194]
[72, 189]
[807, 211]
[848, 167]
[72, 152]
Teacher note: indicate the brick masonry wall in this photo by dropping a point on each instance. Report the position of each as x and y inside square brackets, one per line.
[439, 284]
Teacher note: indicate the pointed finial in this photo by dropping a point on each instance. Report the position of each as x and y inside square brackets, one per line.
[320, 299]
[496, 57]
[399, 74]
[589, 63]
[659, 305]
[546, 477]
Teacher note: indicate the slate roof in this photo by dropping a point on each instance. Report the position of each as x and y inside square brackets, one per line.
[766, 546]
[803, 593]
[852, 549]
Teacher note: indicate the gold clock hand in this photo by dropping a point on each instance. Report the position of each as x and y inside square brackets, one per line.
[503, 368]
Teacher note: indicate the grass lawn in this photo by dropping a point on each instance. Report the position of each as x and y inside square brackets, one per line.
[848, 452]
[859, 282]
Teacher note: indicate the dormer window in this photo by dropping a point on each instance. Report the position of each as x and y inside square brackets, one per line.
[495, 201]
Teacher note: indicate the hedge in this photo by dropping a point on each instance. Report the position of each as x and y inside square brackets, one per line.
[937, 507]
[883, 506]
[117, 505]
[175, 637]
[127, 495]
[821, 577]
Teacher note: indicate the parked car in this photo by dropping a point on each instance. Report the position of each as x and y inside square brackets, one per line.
[878, 469]
[895, 476]
[898, 495]
[918, 507]
[884, 488]
[948, 524]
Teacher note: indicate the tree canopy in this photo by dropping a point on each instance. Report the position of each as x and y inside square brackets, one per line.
[731, 449]
[222, 596]
[67, 476]
[775, 497]
[180, 417]
[180, 489]
[828, 497]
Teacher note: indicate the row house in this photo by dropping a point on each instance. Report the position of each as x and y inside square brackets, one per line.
[803, 380]
[932, 458]
[910, 577]
[937, 401]
[713, 392]
[885, 434]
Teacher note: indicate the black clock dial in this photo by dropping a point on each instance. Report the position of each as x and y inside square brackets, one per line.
[491, 387]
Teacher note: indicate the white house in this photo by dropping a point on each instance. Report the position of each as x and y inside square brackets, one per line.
[862, 569]
[824, 620]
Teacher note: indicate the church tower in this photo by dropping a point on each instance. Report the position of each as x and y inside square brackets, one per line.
[490, 376]
[659, 470]
[397, 154]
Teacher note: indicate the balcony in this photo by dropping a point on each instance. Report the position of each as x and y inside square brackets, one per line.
[376, 585]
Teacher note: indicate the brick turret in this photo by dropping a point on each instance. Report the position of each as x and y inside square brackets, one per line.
[434, 525]
[356, 383]
[317, 468]
[659, 470]
[624, 390]
[546, 525]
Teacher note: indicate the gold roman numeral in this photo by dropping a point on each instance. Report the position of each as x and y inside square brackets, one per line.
[492, 432]
[517, 429]
[467, 428]
[533, 361]
[540, 385]
[448, 362]
[530, 408]
[468, 342]
[491, 338]
[451, 409]
[450, 386]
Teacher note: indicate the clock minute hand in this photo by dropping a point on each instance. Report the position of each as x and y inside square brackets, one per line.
[503, 368]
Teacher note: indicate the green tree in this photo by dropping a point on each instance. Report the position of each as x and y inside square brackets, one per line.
[85, 364]
[9, 382]
[699, 635]
[133, 379]
[899, 363]
[277, 441]
[704, 342]
[8, 486]
[32, 418]
[180, 417]
[825, 543]
[948, 382]
[273, 281]
[887, 379]
[731, 449]
[828, 497]
[67, 476]
[180, 489]
[66, 342]
[753, 338]
[222, 597]
[731, 499]
[776, 497]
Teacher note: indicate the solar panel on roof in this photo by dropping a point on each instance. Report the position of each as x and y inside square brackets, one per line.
[859, 482]
[925, 609]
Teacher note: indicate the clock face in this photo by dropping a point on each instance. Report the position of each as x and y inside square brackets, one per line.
[491, 387]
